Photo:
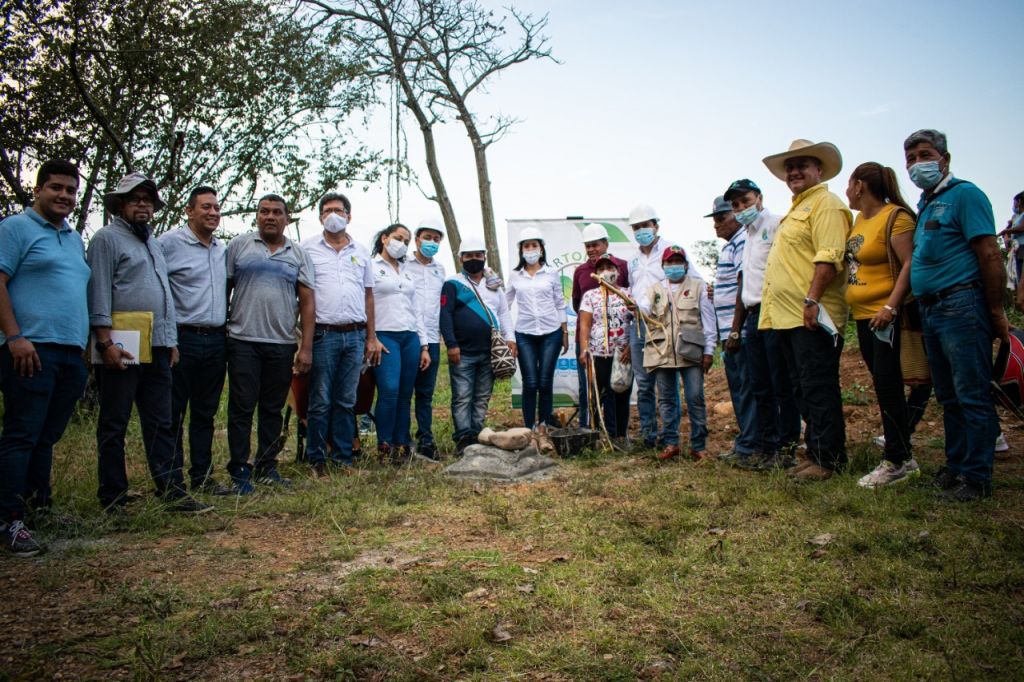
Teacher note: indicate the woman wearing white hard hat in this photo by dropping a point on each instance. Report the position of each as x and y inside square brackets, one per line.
[541, 330]
[470, 310]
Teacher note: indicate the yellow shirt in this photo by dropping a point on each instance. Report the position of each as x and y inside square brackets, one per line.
[814, 231]
[869, 278]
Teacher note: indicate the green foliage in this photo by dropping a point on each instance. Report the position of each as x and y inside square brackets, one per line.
[705, 254]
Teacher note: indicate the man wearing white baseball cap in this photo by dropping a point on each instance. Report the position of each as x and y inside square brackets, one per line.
[803, 297]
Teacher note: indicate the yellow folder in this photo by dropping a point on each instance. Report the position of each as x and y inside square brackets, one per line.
[140, 321]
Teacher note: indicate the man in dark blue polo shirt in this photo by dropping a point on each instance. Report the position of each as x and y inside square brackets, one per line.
[958, 277]
[44, 325]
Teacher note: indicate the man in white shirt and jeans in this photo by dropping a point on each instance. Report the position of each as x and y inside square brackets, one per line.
[429, 274]
[344, 336]
[778, 419]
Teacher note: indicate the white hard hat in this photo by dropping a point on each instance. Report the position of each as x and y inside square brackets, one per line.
[594, 232]
[471, 244]
[435, 224]
[529, 233]
[641, 213]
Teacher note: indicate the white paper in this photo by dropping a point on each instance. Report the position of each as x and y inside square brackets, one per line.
[124, 339]
[826, 323]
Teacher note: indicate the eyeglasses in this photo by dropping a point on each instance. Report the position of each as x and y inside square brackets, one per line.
[139, 200]
[338, 211]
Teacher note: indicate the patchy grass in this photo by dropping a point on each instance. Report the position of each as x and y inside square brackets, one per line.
[618, 568]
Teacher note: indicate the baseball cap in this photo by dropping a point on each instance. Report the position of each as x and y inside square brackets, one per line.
[674, 251]
[741, 187]
[720, 206]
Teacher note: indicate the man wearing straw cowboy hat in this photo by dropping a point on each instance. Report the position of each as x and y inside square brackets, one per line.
[803, 297]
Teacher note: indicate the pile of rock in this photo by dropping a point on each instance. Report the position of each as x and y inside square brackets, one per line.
[508, 456]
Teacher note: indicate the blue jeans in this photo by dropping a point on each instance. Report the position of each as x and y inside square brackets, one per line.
[581, 377]
[777, 420]
[198, 381]
[396, 380]
[742, 394]
[669, 407]
[646, 404]
[333, 379]
[36, 412]
[958, 339]
[471, 382]
[426, 380]
[537, 357]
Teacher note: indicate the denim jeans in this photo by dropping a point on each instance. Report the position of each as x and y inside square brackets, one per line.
[813, 361]
[958, 339]
[36, 412]
[259, 377]
[741, 391]
[471, 382]
[426, 380]
[396, 380]
[777, 421]
[614, 406]
[149, 387]
[333, 380]
[198, 381]
[538, 355]
[670, 409]
[883, 361]
[646, 404]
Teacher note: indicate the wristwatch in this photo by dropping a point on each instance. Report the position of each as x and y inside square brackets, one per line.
[808, 302]
[733, 336]
[102, 346]
[891, 310]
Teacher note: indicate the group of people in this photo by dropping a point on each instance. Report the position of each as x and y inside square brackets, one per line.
[262, 308]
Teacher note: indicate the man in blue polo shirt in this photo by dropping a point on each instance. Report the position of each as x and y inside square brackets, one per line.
[958, 278]
[44, 325]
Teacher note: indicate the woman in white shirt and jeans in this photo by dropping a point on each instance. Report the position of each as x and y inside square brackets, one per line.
[400, 327]
[541, 332]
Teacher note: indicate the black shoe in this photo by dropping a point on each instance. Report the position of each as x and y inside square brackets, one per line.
[752, 462]
[274, 478]
[210, 487]
[464, 443]
[19, 541]
[428, 452]
[945, 479]
[188, 505]
[651, 443]
[320, 471]
[967, 491]
[772, 462]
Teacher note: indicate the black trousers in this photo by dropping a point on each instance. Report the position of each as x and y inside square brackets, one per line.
[198, 384]
[813, 362]
[148, 386]
[259, 377]
[616, 419]
[883, 361]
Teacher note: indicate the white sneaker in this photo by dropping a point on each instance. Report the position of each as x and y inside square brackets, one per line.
[885, 473]
[1001, 444]
[912, 468]
[880, 441]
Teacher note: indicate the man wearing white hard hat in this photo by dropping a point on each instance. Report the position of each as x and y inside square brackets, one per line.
[429, 275]
[541, 330]
[645, 271]
[595, 242]
[345, 334]
[469, 311]
[803, 297]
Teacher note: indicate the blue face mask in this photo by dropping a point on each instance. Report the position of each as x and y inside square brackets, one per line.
[674, 273]
[925, 174]
[644, 236]
[428, 248]
[747, 215]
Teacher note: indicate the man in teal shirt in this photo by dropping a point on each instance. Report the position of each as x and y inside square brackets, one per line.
[44, 326]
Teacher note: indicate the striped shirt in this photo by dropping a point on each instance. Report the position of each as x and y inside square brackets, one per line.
[730, 263]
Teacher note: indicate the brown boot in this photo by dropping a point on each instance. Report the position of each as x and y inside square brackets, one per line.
[800, 466]
[542, 441]
[669, 452]
[813, 472]
[701, 456]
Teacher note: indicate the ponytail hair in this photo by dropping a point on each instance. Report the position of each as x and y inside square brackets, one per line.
[378, 241]
[881, 182]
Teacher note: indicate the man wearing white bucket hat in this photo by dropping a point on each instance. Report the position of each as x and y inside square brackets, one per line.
[803, 297]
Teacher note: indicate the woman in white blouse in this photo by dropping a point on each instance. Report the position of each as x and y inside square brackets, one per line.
[541, 332]
[400, 328]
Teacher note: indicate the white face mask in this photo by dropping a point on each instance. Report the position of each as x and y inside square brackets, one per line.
[334, 223]
[396, 249]
[610, 276]
[531, 256]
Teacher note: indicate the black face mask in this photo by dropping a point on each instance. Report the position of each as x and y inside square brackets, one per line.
[140, 230]
[473, 267]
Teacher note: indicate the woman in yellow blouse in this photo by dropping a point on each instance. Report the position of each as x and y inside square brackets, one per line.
[881, 244]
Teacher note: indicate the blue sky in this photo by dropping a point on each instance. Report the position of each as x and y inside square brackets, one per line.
[667, 102]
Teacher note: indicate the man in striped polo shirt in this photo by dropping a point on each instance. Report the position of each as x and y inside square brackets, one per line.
[730, 262]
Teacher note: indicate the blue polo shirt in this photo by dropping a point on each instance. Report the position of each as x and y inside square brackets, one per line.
[48, 279]
[946, 224]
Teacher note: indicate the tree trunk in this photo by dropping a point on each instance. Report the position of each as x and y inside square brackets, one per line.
[441, 192]
[483, 181]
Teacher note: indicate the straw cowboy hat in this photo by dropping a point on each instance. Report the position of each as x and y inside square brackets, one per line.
[826, 152]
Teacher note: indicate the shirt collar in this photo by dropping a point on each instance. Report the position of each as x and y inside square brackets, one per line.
[256, 238]
[191, 237]
[43, 222]
[820, 187]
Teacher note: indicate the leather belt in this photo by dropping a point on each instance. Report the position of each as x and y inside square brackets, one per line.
[202, 331]
[932, 299]
[341, 328]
